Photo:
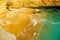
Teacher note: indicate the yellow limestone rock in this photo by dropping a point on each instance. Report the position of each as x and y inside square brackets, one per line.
[31, 31]
[13, 3]
[31, 3]
[6, 35]
[2, 8]
[22, 22]
[17, 21]
[38, 3]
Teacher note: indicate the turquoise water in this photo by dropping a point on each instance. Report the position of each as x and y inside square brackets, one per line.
[51, 28]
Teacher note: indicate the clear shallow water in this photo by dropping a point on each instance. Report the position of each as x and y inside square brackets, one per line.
[51, 28]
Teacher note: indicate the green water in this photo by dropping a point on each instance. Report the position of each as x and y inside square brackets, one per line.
[51, 28]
